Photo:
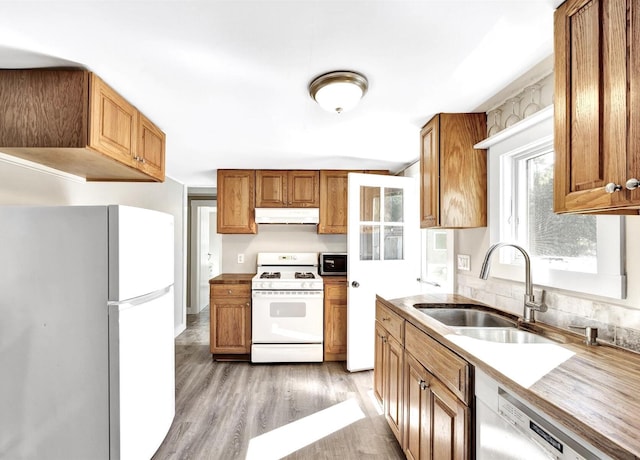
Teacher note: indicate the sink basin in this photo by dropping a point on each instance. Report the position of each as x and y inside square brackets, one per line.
[465, 317]
[502, 335]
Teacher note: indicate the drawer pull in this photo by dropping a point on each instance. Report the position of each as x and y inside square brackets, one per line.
[229, 291]
[386, 319]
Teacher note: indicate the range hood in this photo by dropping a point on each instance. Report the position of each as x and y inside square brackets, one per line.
[287, 215]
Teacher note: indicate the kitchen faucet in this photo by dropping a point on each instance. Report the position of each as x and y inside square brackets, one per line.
[530, 305]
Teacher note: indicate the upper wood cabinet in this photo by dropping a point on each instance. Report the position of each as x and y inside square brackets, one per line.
[597, 106]
[236, 201]
[453, 175]
[296, 189]
[71, 120]
[333, 201]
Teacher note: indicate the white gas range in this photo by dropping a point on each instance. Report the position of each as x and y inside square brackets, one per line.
[287, 310]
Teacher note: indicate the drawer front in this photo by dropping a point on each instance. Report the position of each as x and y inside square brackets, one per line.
[393, 323]
[235, 290]
[448, 367]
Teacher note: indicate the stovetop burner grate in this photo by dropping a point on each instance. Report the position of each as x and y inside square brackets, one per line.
[304, 275]
[270, 275]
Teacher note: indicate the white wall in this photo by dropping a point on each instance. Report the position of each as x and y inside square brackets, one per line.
[20, 185]
[276, 238]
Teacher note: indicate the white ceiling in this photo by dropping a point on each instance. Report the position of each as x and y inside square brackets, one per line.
[227, 80]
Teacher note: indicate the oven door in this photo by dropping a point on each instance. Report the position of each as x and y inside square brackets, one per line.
[287, 317]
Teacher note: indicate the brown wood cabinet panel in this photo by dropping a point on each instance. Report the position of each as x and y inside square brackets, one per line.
[597, 66]
[114, 124]
[417, 443]
[70, 120]
[236, 201]
[335, 319]
[453, 174]
[392, 395]
[295, 189]
[451, 369]
[379, 362]
[271, 189]
[450, 421]
[430, 174]
[437, 424]
[44, 108]
[388, 368]
[390, 321]
[334, 201]
[150, 148]
[304, 189]
[230, 322]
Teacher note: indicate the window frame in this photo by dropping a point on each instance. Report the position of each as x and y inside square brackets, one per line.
[535, 135]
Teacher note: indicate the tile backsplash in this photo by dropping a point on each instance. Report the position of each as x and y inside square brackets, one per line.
[617, 324]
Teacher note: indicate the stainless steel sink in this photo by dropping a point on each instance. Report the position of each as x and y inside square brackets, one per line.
[465, 317]
[501, 335]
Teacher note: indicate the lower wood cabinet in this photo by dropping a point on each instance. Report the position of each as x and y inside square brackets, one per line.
[388, 365]
[436, 422]
[424, 390]
[335, 318]
[230, 310]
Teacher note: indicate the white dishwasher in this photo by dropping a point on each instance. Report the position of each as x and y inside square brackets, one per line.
[509, 429]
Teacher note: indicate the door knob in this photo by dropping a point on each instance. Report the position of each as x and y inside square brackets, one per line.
[612, 188]
[355, 284]
[632, 184]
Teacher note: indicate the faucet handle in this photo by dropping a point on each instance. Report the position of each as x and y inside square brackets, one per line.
[590, 333]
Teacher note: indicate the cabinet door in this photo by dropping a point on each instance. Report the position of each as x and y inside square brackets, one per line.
[437, 424]
[448, 419]
[335, 320]
[463, 170]
[430, 174]
[595, 104]
[271, 189]
[416, 401]
[379, 362]
[150, 149]
[112, 122]
[230, 320]
[333, 202]
[392, 387]
[303, 189]
[236, 201]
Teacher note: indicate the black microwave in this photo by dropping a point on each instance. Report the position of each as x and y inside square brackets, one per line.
[333, 263]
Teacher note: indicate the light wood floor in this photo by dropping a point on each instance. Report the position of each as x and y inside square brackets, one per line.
[221, 407]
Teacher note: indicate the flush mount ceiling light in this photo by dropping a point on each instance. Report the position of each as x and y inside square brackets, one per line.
[338, 91]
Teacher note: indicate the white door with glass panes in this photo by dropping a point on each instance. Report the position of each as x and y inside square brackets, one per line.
[383, 245]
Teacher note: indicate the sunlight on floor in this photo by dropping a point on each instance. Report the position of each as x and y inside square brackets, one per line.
[287, 439]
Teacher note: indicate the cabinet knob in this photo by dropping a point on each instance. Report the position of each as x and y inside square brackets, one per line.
[229, 291]
[423, 385]
[632, 184]
[612, 188]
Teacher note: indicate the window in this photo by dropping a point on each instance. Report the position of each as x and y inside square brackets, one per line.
[559, 242]
[582, 253]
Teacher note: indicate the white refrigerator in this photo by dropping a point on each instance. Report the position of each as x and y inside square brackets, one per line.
[86, 332]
